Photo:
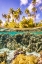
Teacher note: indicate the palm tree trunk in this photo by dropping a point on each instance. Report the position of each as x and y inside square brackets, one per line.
[8, 19]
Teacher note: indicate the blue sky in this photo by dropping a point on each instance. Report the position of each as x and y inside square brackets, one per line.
[5, 5]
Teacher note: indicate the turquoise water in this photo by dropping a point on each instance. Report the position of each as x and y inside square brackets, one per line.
[14, 33]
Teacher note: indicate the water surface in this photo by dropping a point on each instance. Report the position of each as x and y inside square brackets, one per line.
[20, 32]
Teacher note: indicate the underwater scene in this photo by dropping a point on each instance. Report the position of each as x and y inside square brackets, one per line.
[17, 46]
[20, 31]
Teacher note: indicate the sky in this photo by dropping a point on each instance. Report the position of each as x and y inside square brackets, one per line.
[5, 5]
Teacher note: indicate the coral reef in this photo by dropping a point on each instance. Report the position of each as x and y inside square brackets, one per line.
[30, 41]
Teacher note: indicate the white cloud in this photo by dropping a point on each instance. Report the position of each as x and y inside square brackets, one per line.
[23, 2]
[38, 16]
[40, 8]
[30, 7]
[38, 2]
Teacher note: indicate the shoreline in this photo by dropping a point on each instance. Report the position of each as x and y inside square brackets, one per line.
[21, 28]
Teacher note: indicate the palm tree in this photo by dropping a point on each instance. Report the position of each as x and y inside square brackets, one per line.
[4, 15]
[11, 12]
[19, 11]
[17, 14]
[8, 17]
[27, 12]
[0, 22]
[34, 2]
[34, 9]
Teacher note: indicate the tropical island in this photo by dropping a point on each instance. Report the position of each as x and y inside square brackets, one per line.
[21, 32]
[14, 15]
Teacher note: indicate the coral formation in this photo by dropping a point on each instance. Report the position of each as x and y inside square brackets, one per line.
[30, 41]
[25, 59]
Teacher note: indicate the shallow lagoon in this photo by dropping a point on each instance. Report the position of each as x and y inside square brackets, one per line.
[11, 33]
[15, 32]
